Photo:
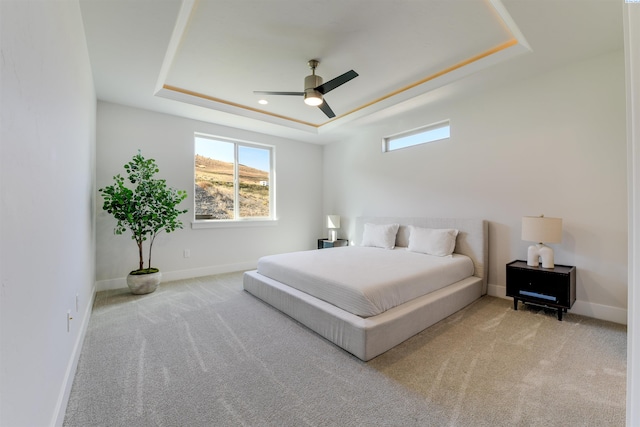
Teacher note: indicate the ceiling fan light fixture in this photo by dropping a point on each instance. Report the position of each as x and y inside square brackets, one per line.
[312, 97]
[314, 89]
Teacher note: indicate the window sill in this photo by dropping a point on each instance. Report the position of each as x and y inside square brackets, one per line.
[233, 223]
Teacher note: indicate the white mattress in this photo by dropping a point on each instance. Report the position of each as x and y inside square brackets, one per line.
[365, 281]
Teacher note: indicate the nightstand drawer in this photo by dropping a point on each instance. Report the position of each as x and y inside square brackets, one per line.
[548, 287]
[555, 287]
[326, 243]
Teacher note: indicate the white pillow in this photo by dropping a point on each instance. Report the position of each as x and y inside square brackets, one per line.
[380, 236]
[432, 241]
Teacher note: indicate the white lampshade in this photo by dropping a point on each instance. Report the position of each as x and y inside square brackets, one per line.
[541, 229]
[333, 221]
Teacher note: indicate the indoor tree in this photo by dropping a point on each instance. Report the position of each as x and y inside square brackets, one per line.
[146, 207]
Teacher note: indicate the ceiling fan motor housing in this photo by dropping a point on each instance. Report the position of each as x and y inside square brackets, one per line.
[310, 83]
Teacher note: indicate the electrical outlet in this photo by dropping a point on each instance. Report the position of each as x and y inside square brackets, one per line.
[69, 319]
[187, 253]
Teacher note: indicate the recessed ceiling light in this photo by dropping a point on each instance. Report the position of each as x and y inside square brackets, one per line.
[263, 102]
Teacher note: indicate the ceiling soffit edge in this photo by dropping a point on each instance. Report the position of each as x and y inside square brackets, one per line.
[516, 45]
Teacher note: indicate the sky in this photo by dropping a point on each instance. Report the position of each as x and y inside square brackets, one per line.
[428, 135]
[257, 158]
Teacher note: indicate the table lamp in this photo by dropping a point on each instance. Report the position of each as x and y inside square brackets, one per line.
[541, 229]
[333, 223]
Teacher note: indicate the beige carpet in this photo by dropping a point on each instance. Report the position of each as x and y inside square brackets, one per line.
[203, 352]
[491, 365]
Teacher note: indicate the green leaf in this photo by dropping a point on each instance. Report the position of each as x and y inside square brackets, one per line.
[146, 208]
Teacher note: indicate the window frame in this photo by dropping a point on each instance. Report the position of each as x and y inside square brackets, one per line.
[386, 141]
[238, 221]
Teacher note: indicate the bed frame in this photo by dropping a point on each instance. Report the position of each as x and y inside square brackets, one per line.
[369, 337]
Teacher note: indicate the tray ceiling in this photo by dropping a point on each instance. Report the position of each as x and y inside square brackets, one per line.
[203, 58]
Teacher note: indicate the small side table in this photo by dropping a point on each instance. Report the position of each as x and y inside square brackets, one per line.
[552, 287]
[326, 243]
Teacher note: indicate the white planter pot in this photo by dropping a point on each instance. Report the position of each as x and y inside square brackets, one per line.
[140, 284]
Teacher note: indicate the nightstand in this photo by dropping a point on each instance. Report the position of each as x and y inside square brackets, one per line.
[326, 243]
[552, 287]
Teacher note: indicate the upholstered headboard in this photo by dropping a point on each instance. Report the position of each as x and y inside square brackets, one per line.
[472, 240]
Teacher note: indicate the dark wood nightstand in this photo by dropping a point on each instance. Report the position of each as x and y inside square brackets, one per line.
[552, 287]
[326, 243]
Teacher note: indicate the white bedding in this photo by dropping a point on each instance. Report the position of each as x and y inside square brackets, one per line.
[365, 281]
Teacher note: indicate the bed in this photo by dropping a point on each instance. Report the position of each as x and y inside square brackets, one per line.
[369, 310]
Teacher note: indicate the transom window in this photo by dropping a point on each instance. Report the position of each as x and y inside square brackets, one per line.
[423, 135]
[234, 180]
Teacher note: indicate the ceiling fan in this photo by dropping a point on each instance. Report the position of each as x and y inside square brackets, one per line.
[314, 88]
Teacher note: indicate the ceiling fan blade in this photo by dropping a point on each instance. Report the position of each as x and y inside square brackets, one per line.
[334, 83]
[279, 93]
[326, 109]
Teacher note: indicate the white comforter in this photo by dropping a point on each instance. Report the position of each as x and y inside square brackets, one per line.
[365, 281]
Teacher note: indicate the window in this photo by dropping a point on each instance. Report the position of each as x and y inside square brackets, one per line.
[234, 180]
[423, 135]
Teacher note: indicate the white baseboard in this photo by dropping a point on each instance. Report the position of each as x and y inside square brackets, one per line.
[497, 291]
[583, 308]
[599, 311]
[168, 276]
[65, 390]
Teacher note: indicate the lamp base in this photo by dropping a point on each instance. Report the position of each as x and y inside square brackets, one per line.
[332, 235]
[539, 252]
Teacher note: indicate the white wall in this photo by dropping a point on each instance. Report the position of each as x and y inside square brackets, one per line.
[121, 131]
[47, 221]
[632, 57]
[553, 145]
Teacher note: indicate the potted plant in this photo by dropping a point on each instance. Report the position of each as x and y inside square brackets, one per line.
[146, 208]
